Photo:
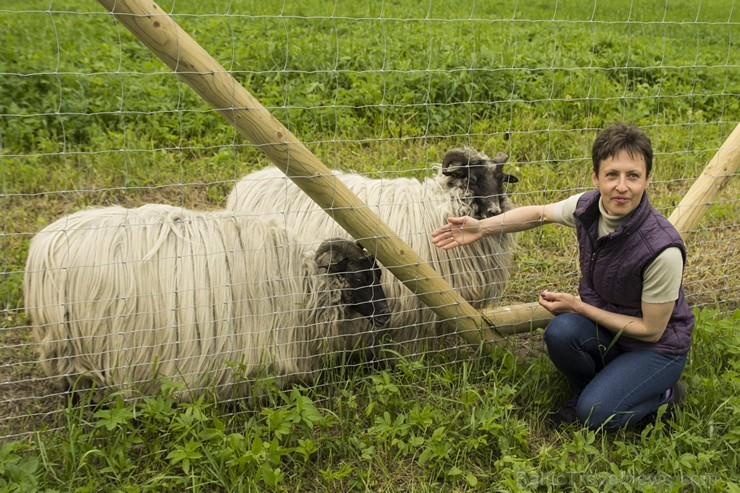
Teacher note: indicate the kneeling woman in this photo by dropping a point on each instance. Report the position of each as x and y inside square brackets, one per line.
[622, 346]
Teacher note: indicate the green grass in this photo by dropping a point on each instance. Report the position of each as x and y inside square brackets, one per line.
[462, 424]
[88, 117]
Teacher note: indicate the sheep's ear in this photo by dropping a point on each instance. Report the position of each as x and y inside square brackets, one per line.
[510, 178]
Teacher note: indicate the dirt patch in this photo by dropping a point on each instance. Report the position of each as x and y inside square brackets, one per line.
[27, 402]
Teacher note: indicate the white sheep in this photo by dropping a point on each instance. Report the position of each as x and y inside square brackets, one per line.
[468, 183]
[119, 297]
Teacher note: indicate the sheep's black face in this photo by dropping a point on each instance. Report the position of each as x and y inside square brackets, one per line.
[360, 276]
[364, 293]
[479, 181]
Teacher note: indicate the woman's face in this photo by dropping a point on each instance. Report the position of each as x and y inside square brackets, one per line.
[622, 181]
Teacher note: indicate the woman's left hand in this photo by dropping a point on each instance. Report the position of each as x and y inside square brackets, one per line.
[557, 303]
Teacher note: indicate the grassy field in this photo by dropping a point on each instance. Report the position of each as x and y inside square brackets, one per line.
[88, 117]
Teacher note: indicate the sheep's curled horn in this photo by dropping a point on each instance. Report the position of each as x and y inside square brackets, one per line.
[457, 161]
[329, 250]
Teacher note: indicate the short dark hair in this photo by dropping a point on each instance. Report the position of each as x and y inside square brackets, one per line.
[622, 137]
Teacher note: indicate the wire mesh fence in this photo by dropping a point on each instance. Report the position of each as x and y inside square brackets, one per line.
[220, 284]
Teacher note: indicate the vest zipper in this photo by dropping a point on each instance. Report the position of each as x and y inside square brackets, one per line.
[600, 242]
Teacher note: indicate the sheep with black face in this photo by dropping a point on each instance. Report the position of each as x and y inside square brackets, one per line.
[213, 300]
[468, 183]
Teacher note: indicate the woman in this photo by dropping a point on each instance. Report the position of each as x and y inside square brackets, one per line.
[622, 345]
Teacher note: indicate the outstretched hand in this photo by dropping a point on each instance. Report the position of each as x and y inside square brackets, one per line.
[457, 232]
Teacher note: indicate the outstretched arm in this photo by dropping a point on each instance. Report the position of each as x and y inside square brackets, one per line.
[465, 230]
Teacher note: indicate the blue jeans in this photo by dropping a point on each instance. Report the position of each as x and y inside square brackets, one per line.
[614, 387]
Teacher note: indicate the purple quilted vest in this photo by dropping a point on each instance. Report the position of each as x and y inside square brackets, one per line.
[612, 268]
